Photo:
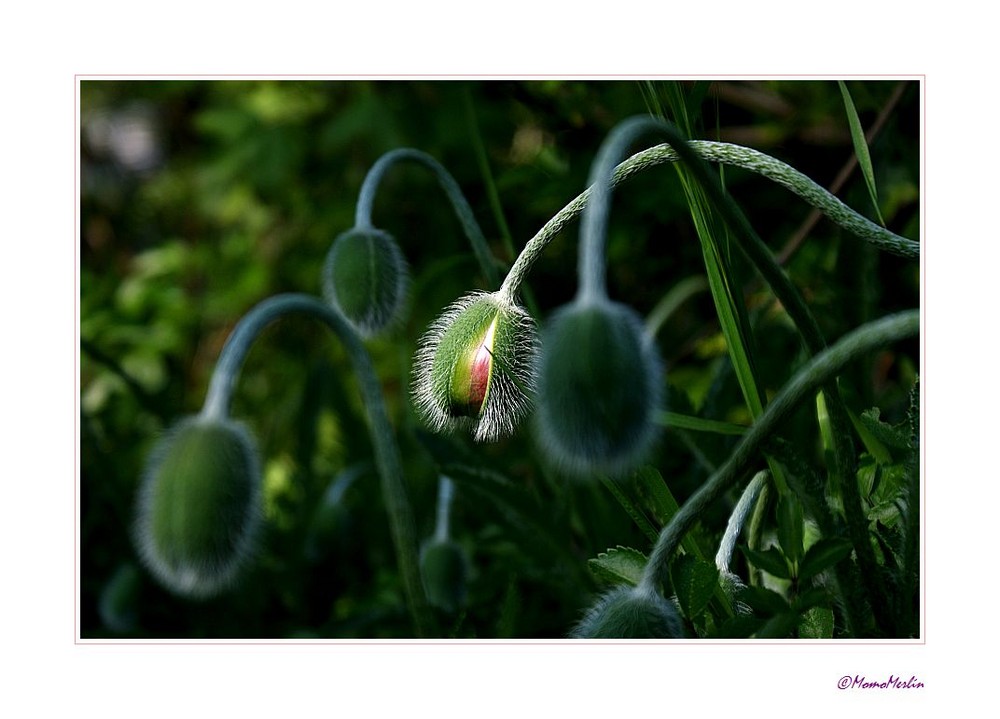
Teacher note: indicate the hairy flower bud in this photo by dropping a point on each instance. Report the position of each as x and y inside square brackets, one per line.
[365, 277]
[600, 384]
[476, 367]
[443, 568]
[630, 613]
[199, 506]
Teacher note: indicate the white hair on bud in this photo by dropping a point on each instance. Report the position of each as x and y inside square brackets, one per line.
[210, 575]
[509, 397]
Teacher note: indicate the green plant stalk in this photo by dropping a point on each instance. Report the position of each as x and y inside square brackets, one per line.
[369, 188]
[728, 154]
[446, 493]
[737, 519]
[387, 458]
[817, 371]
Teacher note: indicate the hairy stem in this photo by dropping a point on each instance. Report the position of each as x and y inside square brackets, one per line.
[387, 458]
[737, 519]
[446, 493]
[366, 198]
[818, 371]
[726, 153]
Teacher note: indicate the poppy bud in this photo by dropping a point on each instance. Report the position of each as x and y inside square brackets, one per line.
[364, 277]
[199, 506]
[443, 568]
[630, 613]
[476, 367]
[600, 384]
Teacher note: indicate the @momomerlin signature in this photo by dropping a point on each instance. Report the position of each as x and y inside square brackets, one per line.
[859, 681]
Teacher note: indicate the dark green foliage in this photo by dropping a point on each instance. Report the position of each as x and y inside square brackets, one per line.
[247, 185]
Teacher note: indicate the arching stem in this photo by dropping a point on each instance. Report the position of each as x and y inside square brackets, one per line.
[387, 458]
[818, 371]
[366, 199]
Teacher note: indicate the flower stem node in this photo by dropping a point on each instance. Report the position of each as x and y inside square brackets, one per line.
[365, 278]
[444, 572]
[199, 506]
[630, 613]
[475, 367]
[600, 385]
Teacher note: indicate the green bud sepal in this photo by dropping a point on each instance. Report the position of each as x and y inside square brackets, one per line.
[475, 367]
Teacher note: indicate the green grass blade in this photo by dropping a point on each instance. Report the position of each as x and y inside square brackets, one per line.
[699, 424]
[861, 147]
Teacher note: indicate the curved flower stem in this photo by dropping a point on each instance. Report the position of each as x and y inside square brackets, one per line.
[737, 519]
[366, 198]
[387, 458]
[725, 153]
[446, 493]
[818, 371]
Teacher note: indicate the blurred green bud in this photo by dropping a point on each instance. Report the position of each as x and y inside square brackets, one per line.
[199, 506]
[600, 385]
[444, 571]
[365, 277]
[475, 367]
[630, 613]
[119, 600]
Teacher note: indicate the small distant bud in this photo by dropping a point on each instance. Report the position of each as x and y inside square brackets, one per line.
[630, 613]
[476, 367]
[119, 599]
[600, 385]
[443, 568]
[199, 506]
[365, 277]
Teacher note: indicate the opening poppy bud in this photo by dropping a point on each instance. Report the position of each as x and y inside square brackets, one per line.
[199, 506]
[365, 277]
[600, 384]
[475, 367]
[443, 568]
[630, 613]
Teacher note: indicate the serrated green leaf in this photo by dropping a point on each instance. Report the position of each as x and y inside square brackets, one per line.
[621, 565]
[861, 148]
[822, 555]
[694, 581]
[764, 601]
[790, 527]
[771, 561]
[894, 436]
[817, 623]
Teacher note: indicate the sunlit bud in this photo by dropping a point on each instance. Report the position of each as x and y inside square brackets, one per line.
[443, 569]
[199, 506]
[475, 367]
[630, 613]
[600, 385]
[365, 277]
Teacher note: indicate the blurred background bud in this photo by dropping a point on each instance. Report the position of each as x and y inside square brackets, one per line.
[199, 506]
[600, 385]
[630, 613]
[444, 572]
[365, 277]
